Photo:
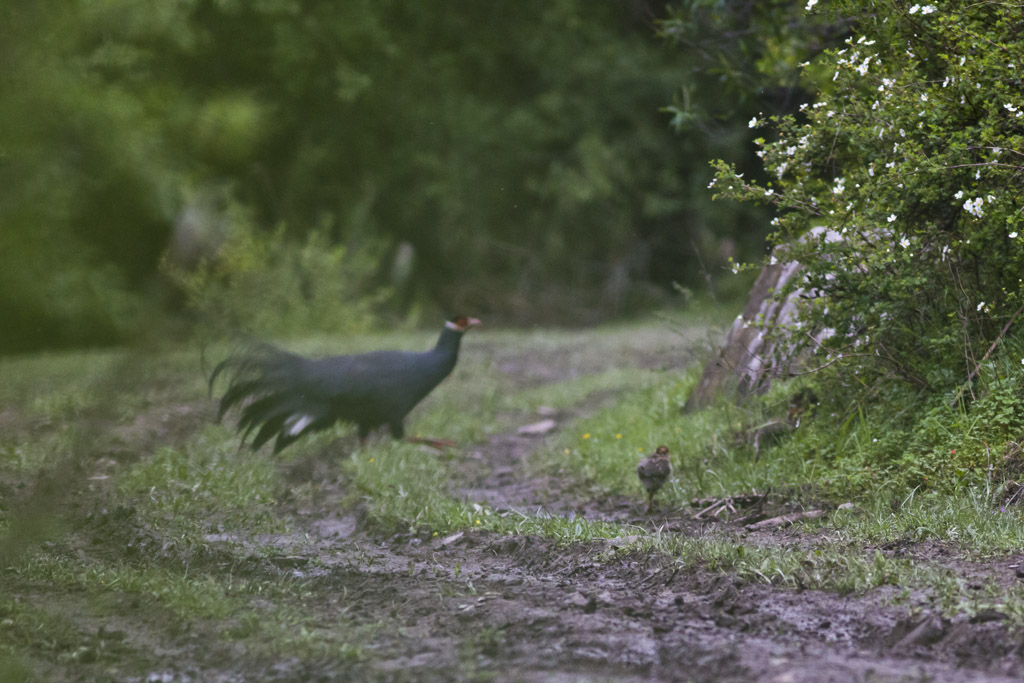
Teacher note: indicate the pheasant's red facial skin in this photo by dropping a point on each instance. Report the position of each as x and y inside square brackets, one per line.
[461, 323]
[661, 450]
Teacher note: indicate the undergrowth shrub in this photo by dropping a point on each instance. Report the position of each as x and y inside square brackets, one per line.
[268, 284]
[905, 438]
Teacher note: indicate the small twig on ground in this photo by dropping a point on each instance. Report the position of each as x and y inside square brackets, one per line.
[716, 506]
[785, 520]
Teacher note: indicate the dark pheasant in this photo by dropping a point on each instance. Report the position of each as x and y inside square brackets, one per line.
[284, 395]
[654, 471]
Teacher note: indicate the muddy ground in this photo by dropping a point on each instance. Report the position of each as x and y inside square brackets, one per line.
[474, 605]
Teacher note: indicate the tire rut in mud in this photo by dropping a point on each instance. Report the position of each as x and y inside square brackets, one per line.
[477, 602]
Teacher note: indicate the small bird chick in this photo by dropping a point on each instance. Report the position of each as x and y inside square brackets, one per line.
[654, 471]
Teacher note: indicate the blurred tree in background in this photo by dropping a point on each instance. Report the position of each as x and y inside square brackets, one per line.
[511, 159]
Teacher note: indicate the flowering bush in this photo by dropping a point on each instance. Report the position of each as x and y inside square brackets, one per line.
[913, 153]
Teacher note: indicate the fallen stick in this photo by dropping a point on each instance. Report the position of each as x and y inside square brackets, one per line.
[717, 506]
[785, 520]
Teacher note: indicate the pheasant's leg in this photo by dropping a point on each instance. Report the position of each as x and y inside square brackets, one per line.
[439, 444]
[398, 431]
[650, 501]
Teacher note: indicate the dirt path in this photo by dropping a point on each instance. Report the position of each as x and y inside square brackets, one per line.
[476, 605]
[479, 606]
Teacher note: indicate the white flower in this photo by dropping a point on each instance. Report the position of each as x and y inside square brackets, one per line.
[924, 97]
[863, 68]
[753, 123]
[840, 186]
[973, 207]
[1009, 107]
[904, 242]
[928, 9]
[958, 195]
[891, 218]
[1013, 235]
[769, 192]
[914, 9]
[810, 4]
[980, 306]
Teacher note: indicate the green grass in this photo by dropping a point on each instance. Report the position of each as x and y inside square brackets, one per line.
[210, 483]
[968, 518]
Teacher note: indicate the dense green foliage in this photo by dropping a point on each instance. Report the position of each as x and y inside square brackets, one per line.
[909, 166]
[506, 158]
[909, 159]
